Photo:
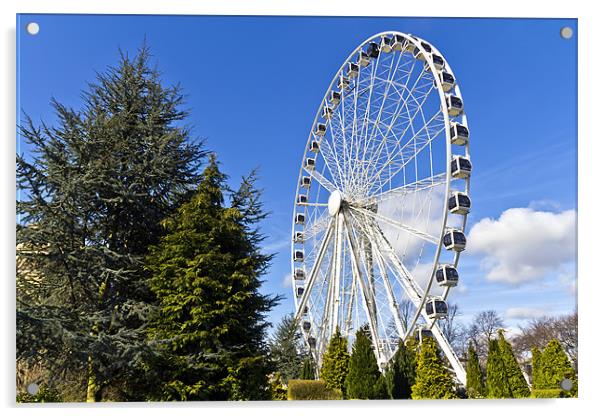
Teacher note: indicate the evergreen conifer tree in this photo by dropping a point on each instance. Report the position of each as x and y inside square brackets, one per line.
[286, 349]
[308, 370]
[554, 366]
[536, 368]
[380, 388]
[516, 380]
[497, 380]
[363, 373]
[433, 380]
[205, 275]
[335, 362]
[401, 372]
[475, 387]
[93, 189]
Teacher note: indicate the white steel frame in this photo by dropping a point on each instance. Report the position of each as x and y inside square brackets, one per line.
[354, 274]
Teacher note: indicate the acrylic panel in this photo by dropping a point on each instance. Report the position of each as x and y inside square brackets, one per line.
[295, 208]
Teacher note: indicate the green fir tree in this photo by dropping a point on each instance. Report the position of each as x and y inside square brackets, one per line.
[536, 368]
[475, 386]
[363, 373]
[433, 380]
[554, 366]
[401, 372]
[286, 349]
[206, 276]
[516, 380]
[381, 390]
[335, 362]
[308, 372]
[497, 379]
[93, 190]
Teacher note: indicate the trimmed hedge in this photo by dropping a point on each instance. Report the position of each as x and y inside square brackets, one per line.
[312, 390]
[548, 393]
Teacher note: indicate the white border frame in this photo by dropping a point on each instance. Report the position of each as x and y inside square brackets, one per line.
[589, 173]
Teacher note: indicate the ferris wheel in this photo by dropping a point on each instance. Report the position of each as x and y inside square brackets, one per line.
[382, 198]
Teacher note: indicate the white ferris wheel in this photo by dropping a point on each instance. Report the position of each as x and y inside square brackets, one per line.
[382, 198]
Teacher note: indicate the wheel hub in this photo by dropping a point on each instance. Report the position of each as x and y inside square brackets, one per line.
[334, 203]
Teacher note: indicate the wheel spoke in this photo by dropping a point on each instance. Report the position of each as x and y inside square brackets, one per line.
[404, 227]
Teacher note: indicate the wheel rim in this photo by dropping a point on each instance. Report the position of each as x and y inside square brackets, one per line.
[381, 176]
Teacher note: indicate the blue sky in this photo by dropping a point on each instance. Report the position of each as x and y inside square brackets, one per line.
[253, 85]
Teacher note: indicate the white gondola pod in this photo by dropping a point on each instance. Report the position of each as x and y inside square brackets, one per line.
[298, 237]
[352, 69]
[455, 107]
[301, 199]
[320, 129]
[298, 256]
[422, 333]
[447, 275]
[363, 59]
[335, 98]
[386, 44]
[343, 83]
[418, 54]
[436, 308]
[311, 341]
[447, 81]
[306, 326]
[327, 112]
[310, 163]
[373, 50]
[454, 239]
[306, 181]
[397, 43]
[314, 146]
[459, 203]
[459, 133]
[438, 62]
[305, 310]
[461, 167]
[300, 290]
[299, 274]
[300, 218]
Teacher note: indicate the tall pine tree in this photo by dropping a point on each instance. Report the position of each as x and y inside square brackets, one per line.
[433, 380]
[363, 374]
[536, 368]
[335, 362]
[92, 191]
[516, 380]
[553, 367]
[475, 386]
[497, 380]
[308, 371]
[206, 276]
[401, 372]
[286, 351]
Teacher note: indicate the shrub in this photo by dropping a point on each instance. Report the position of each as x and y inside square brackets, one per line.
[44, 395]
[548, 393]
[312, 390]
[433, 380]
[335, 362]
[363, 373]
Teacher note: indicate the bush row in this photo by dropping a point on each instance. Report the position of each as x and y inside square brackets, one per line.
[312, 390]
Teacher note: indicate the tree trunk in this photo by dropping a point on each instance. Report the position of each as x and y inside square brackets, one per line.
[92, 386]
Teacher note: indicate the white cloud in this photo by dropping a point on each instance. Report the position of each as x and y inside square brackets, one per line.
[544, 205]
[568, 281]
[523, 244]
[286, 281]
[421, 210]
[524, 313]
